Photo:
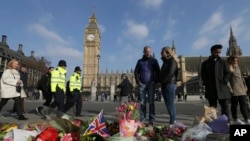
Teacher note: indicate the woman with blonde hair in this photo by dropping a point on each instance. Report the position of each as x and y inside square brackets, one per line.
[238, 90]
[10, 87]
[168, 81]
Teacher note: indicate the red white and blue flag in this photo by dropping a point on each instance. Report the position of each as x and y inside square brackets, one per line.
[98, 126]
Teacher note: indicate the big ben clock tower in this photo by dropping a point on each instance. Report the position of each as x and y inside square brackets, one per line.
[92, 41]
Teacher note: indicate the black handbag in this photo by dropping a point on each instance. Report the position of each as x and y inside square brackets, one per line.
[18, 89]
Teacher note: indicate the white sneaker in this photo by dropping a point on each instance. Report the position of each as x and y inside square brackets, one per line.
[238, 122]
[172, 125]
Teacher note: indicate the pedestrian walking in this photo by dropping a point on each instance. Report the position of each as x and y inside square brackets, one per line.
[247, 81]
[126, 89]
[74, 96]
[11, 88]
[146, 74]
[185, 97]
[102, 97]
[239, 91]
[44, 85]
[58, 88]
[24, 77]
[215, 76]
[168, 81]
[179, 96]
[115, 98]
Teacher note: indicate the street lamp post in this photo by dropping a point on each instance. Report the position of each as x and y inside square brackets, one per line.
[98, 81]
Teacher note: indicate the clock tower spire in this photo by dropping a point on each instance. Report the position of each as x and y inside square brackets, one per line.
[92, 47]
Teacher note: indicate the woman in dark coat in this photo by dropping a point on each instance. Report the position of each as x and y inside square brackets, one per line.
[168, 81]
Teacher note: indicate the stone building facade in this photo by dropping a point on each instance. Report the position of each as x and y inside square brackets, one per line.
[36, 67]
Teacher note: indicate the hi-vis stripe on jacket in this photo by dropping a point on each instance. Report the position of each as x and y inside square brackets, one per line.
[75, 82]
[58, 78]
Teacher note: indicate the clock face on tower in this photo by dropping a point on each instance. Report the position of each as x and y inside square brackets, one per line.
[90, 37]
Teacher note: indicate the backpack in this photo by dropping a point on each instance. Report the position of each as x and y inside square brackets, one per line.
[39, 84]
[178, 74]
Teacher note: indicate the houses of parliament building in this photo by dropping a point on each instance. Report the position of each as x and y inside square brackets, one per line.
[190, 84]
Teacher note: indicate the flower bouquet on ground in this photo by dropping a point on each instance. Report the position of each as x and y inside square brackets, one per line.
[61, 129]
[127, 115]
[162, 133]
[128, 111]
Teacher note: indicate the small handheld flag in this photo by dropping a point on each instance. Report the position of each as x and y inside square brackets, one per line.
[98, 126]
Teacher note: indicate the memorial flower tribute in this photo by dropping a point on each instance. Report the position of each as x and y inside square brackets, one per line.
[126, 127]
[127, 114]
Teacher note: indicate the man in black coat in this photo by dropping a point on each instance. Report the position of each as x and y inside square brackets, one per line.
[44, 85]
[215, 76]
[126, 89]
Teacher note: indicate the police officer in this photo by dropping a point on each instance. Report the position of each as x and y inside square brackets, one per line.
[58, 80]
[74, 95]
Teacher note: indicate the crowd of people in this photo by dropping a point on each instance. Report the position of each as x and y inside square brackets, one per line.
[222, 80]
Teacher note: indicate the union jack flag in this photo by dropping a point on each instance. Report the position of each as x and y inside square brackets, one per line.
[98, 126]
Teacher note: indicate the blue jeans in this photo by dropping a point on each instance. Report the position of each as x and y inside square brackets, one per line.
[147, 94]
[168, 94]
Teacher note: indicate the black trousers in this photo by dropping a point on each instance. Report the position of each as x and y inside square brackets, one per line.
[22, 106]
[17, 104]
[58, 100]
[48, 97]
[224, 104]
[242, 101]
[75, 98]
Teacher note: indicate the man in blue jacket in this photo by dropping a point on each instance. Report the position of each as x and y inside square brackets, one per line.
[146, 74]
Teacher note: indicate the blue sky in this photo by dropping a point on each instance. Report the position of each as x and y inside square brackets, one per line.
[54, 29]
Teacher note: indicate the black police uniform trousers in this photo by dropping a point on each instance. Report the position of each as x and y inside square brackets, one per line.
[58, 99]
[74, 98]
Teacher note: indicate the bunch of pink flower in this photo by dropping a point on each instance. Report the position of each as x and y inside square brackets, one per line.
[127, 111]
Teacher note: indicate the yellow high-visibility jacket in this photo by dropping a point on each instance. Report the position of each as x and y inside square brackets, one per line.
[58, 78]
[75, 82]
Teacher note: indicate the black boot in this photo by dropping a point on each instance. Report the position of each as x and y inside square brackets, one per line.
[22, 117]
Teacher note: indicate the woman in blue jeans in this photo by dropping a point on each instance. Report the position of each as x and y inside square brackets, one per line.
[168, 81]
